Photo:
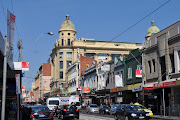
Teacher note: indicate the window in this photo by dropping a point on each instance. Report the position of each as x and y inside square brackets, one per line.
[68, 63]
[69, 42]
[61, 75]
[139, 67]
[149, 65]
[129, 72]
[102, 56]
[62, 42]
[113, 56]
[154, 65]
[61, 64]
[62, 34]
[61, 55]
[68, 33]
[69, 55]
[91, 55]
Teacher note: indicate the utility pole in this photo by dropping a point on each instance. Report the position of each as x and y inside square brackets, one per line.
[4, 80]
[19, 46]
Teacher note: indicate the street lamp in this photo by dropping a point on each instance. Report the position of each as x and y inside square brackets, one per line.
[49, 33]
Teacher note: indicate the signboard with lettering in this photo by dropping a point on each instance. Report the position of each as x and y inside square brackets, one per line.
[164, 84]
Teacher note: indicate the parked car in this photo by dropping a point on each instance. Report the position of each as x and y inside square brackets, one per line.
[68, 111]
[37, 113]
[105, 109]
[113, 109]
[129, 112]
[145, 109]
[93, 108]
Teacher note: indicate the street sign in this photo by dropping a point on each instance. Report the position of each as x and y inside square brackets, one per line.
[79, 87]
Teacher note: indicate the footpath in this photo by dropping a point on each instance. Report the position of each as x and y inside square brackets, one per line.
[166, 117]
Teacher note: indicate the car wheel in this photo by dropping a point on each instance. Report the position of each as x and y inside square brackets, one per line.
[126, 118]
[77, 117]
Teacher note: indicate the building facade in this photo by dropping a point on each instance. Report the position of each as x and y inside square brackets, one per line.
[161, 59]
[66, 49]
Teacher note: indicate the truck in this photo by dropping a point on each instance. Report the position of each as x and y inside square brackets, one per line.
[52, 102]
[69, 100]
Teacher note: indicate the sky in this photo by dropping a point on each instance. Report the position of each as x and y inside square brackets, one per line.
[98, 19]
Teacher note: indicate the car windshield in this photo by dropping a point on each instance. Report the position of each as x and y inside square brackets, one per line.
[142, 107]
[54, 102]
[132, 107]
[40, 109]
[93, 105]
[105, 106]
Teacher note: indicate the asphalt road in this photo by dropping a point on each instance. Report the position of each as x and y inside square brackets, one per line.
[93, 116]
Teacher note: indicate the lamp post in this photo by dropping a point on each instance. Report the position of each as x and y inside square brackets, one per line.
[117, 44]
[49, 33]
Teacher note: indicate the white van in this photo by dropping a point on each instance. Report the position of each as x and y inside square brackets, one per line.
[52, 102]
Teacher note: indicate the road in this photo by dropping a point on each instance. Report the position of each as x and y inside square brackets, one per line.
[91, 116]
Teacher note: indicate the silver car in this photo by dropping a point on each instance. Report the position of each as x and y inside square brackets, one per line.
[113, 109]
[93, 108]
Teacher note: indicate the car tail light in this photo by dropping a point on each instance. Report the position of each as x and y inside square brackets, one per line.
[32, 116]
[77, 110]
[51, 114]
[64, 110]
[57, 110]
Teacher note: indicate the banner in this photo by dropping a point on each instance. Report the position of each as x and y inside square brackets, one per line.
[139, 73]
[118, 80]
[18, 84]
[10, 33]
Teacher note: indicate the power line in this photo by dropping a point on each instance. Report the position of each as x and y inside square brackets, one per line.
[136, 23]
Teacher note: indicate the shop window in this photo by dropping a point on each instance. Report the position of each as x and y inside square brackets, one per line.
[129, 72]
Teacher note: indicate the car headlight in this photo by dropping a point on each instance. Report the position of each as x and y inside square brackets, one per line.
[147, 114]
[133, 114]
[106, 109]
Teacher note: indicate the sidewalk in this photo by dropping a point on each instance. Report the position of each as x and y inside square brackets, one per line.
[166, 117]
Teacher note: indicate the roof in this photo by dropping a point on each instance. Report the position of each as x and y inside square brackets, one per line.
[153, 28]
[67, 23]
[108, 41]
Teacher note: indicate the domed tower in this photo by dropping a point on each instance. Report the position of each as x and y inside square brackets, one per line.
[67, 33]
[151, 30]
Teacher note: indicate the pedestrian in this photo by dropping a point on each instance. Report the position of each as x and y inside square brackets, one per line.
[131, 103]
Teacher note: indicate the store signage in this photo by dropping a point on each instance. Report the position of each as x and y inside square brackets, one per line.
[79, 87]
[114, 90]
[86, 89]
[164, 84]
[24, 66]
[118, 80]
[17, 83]
[139, 73]
[137, 89]
[105, 68]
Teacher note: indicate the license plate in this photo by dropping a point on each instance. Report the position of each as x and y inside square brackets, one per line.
[41, 115]
[71, 114]
[141, 117]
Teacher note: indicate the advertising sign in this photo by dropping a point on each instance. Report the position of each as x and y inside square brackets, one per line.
[86, 89]
[164, 84]
[139, 73]
[118, 80]
[10, 33]
[17, 83]
[105, 68]
[24, 66]
[137, 89]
